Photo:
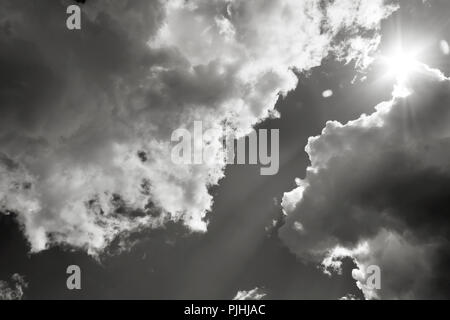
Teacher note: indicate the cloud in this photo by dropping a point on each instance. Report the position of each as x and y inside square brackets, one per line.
[87, 115]
[14, 289]
[377, 192]
[254, 294]
[349, 297]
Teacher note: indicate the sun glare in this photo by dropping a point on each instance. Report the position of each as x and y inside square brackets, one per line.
[400, 64]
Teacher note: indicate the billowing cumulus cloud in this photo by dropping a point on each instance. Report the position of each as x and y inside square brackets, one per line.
[13, 289]
[87, 115]
[377, 192]
[254, 294]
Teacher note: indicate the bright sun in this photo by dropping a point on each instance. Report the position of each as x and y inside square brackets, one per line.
[400, 65]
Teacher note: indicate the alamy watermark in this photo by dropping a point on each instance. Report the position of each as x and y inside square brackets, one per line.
[194, 148]
[373, 280]
[73, 282]
[73, 21]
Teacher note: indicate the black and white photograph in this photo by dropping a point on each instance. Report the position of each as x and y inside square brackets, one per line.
[225, 150]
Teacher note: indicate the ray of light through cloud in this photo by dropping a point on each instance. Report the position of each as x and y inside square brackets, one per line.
[96, 114]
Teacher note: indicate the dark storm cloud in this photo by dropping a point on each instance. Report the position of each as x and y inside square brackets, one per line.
[377, 192]
[47, 68]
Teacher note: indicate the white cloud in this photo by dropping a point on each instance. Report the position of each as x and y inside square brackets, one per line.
[254, 294]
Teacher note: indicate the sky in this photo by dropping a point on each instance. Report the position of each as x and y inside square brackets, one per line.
[87, 178]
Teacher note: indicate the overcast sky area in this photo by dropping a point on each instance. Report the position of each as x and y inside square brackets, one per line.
[358, 90]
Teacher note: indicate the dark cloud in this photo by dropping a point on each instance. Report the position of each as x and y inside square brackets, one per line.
[378, 186]
[12, 289]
